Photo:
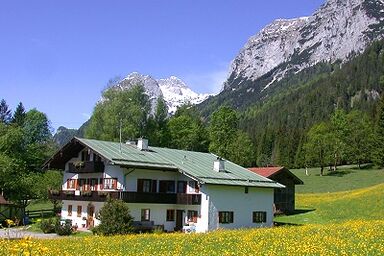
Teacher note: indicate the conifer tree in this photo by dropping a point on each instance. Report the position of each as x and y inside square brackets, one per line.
[5, 112]
[19, 115]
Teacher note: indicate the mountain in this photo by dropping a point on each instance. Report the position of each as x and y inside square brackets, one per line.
[173, 90]
[337, 31]
[295, 72]
[177, 93]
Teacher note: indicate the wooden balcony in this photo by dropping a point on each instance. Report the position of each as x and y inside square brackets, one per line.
[128, 197]
[95, 196]
[86, 167]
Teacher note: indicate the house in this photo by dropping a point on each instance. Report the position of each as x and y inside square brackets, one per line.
[284, 198]
[163, 187]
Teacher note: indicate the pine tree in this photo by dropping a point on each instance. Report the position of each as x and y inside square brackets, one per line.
[19, 115]
[5, 112]
[379, 138]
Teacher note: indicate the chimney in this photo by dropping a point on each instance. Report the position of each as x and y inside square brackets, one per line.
[131, 142]
[218, 165]
[142, 144]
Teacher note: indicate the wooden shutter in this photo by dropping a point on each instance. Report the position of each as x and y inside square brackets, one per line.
[139, 185]
[68, 185]
[101, 184]
[197, 187]
[162, 186]
[154, 186]
[114, 183]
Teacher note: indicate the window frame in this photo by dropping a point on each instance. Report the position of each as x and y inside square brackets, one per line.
[79, 210]
[226, 217]
[145, 214]
[170, 215]
[69, 210]
[259, 217]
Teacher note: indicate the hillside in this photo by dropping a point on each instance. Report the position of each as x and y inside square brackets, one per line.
[277, 124]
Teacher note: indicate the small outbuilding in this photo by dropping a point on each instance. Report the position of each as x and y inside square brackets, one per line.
[8, 210]
[284, 198]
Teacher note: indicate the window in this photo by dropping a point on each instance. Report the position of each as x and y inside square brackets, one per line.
[96, 158]
[69, 210]
[259, 217]
[85, 156]
[167, 186]
[225, 217]
[192, 216]
[246, 190]
[79, 210]
[146, 185]
[170, 215]
[193, 186]
[181, 186]
[145, 215]
[110, 183]
[71, 184]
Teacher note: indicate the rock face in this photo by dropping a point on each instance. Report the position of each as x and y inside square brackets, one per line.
[173, 90]
[338, 30]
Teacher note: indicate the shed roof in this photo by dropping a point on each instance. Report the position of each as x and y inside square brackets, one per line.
[196, 165]
[271, 172]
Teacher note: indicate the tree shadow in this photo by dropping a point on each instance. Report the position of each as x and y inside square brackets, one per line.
[338, 173]
[363, 167]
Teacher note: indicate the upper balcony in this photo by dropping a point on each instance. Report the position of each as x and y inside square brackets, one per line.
[86, 167]
[128, 197]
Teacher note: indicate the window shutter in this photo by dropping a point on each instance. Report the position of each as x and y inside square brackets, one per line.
[162, 186]
[231, 216]
[114, 183]
[196, 187]
[101, 184]
[154, 186]
[68, 183]
[139, 185]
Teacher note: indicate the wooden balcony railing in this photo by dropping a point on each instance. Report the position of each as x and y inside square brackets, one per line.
[86, 167]
[129, 197]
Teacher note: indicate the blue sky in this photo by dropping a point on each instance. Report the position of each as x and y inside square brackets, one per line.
[57, 56]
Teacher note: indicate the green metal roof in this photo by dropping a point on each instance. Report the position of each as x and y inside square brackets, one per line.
[196, 165]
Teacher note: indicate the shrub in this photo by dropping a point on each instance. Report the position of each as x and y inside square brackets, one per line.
[114, 218]
[64, 229]
[48, 225]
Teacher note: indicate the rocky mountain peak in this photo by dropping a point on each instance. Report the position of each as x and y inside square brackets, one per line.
[336, 31]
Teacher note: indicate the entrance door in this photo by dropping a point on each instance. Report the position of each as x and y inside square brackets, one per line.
[90, 212]
[179, 220]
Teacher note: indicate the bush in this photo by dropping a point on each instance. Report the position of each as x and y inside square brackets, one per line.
[114, 218]
[64, 229]
[48, 225]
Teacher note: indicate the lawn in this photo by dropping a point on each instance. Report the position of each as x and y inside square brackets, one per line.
[344, 179]
[362, 204]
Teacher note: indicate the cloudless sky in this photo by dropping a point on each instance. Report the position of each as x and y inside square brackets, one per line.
[57, 56]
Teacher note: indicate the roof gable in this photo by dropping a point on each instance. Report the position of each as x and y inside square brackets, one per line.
[271, 172]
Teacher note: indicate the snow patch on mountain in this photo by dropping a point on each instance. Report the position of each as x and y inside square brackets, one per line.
[173, 90]
[176, 93]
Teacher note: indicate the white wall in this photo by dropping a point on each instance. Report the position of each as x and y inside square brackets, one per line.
[79, 220]
[234, 199]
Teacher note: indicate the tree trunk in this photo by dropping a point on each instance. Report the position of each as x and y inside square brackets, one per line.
[321, 170]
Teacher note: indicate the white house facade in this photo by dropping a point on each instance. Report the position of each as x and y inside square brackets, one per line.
[163, 187]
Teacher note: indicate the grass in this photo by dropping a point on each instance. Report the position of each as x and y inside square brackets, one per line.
[360, 204]
[39, 205]
[350, 238]
[344, 179]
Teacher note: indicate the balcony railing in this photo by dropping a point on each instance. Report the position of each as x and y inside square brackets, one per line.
[129, 197]
[86, 167]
